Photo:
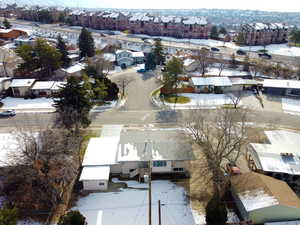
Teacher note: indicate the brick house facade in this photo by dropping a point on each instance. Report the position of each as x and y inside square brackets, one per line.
[264, 33]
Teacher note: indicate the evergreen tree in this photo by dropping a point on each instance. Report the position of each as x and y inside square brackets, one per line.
[8, 216]
[214, 33]
[99, 89]
[246, 64]
[240, 39]
[295, 36]
[86, 43]
[150, 62]
[6, 24]
[62, 47]
[216, 213]
[73, 104]
[72, 218]
[44, 16]
[158, 52]
[173, 68]
[223, 30]
[233, 62]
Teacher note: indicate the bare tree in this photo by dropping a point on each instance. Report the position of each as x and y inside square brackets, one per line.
[235, 97]
[221, 64]
[204, 59]
[123, 81]
[221, 137]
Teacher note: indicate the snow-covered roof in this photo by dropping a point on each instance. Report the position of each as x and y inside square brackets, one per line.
[4, 79]
[58, 85]
[211, 81]
[8, 146]
[226, 72]
[109, 57]
[75, 68]
[22, 83]
[281, 83]
[257, 191]
[43, 85]
[5, 31]
[274, 158]
[154, 145]
[95, 173]
[194, 20]
[138, 54]
[73, 56]
[101, 151]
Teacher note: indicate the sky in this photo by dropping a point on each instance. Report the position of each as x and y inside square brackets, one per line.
[265, 5]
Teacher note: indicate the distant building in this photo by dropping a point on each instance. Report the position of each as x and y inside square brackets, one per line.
[262, 199]
[264, 33]
[282, 87]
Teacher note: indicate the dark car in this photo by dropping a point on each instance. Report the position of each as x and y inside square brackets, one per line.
[265, 55]
[241, 52]
[214, 49]
[8, 113]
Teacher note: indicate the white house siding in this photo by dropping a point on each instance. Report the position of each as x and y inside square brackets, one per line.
[94, 185]
[165, 169]
[127, 166]
[23, 91]
[178, 164]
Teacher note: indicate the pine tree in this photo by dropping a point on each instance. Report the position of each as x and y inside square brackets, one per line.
[240, 39]
[62, 47]
[158, 52]
[216, 213]
[8, 216]
[214, 33]
[73, 103]
[233, 62]
[6, 24]
[173, 68]
[86, 43]
[72, 218]
[223, 30]
[150, 62]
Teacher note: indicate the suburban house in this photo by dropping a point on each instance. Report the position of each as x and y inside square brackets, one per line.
[21, 87]
[124, 58]
[130, 153]
[239, 84]
[260, 198]
[282, 87]
[279, 158]
[217, 85]
[57, 86]
[4, 83]
[73, 58]
[42, 88]
[138, 57]
[74, 70]
[9, 34]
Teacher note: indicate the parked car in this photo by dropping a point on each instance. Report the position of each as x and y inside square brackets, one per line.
[141, 70]
[8, 113]
[214, 49]
[241, 52]
[265, 55]
[233, 169]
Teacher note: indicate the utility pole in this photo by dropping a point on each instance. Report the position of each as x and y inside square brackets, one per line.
[159, 213]
[150, 200]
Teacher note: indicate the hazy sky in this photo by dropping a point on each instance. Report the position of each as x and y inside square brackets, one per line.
[267, 5]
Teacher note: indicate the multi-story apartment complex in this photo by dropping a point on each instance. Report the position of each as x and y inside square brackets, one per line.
[264, 33]
[144, 23]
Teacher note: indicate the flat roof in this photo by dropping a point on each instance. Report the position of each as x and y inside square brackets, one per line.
[73, 56]
[95, 173]
[43, 85]
[271, 158]
[295, 84]
[101, 151]
[211, 81]
[22, 82]
[75, 68]
[4, 79]
[138, 54]
[145, 145]
[58, 85]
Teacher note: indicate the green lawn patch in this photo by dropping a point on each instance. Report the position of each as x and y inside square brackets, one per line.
[179, 99]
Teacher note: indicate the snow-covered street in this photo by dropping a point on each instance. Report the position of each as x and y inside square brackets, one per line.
[130, 206]
[291, 106]
[39, 104]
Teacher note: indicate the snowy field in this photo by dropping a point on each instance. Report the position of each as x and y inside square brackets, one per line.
[291, 106]
[203, 101]
[130, 206]
[28, 104]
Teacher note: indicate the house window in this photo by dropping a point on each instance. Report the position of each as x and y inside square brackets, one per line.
[159, 163]
[101, 184]
[178, 169]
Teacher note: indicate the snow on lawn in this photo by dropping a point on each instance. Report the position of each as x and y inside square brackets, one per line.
[291, 106]
[21, 103]
[203, 101]
[277, 49]
[130, 206]
[226, 72]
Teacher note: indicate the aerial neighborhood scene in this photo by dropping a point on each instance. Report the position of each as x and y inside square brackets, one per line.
[149, 113]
